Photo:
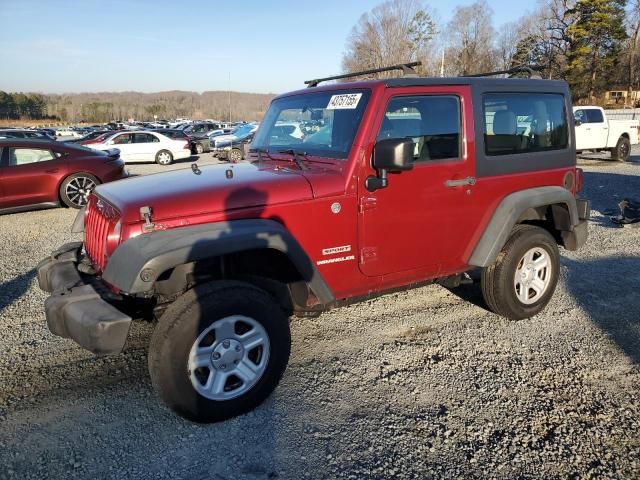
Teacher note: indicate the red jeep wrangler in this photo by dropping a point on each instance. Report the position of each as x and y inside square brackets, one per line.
[393, 183]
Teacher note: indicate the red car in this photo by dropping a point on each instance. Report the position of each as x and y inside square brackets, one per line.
[42, 173]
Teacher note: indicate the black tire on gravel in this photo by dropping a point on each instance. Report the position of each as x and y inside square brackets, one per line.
[497, 280]
[622, 152]
[73, 187]
[189, 316]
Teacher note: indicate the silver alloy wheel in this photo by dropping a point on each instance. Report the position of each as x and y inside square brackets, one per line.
[235, 155]
[199, 148]
[78, 190]
[533, 275]
[164, 158]
[228, 358]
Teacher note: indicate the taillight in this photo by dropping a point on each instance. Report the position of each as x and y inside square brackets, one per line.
[579, 179]
[186, 146]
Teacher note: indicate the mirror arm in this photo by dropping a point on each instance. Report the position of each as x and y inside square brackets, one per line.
[375, 183]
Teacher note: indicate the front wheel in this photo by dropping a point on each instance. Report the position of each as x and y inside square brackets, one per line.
[164, 157]
[76, 188]
[524, 276]
[235, 155]
[622, 150]
[199, 148]
[219, 351]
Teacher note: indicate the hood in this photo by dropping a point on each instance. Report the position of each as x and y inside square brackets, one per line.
[183, 193]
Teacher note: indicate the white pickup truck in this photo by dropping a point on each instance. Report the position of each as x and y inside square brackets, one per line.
[594, 131]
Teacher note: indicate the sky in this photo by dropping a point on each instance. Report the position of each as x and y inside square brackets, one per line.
[58, 46]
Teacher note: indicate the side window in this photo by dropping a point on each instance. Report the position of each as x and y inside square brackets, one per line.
[431, 121]
[23, 156]
[580, 115]
[145, 138]
[524, 122]
[594, 115]
[123, 139]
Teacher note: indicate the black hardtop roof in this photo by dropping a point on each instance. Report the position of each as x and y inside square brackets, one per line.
[483, 83]
[491, 82]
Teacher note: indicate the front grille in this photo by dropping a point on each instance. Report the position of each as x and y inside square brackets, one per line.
[99, 221]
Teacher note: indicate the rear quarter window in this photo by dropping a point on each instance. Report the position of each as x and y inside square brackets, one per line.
[519, 123]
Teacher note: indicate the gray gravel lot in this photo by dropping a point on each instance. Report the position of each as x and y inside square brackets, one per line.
[420, 384]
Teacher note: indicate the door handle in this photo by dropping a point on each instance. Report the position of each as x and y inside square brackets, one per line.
[461, 182]
[52, 170]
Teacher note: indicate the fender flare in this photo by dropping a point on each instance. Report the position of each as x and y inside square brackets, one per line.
[161, 250]
[509, 211]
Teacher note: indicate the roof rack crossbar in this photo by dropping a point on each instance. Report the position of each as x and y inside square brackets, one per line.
[407, 69]
[532, 71]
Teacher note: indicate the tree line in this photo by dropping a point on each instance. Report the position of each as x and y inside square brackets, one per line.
[14, 106]
[592, 44]
[107, 106]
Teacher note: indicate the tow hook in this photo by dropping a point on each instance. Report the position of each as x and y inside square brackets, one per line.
[145, 214]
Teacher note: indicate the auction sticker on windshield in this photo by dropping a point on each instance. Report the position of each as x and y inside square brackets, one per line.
[345, 101]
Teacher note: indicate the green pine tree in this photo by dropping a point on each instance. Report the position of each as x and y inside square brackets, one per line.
[595, 41]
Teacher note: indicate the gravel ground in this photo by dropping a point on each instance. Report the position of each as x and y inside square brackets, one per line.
[419, 384]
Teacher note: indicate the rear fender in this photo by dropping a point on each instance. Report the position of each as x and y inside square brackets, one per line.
[516, 206]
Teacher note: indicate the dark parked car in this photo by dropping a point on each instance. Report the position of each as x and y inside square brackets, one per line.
[87, 138]
[23, 133]
[233, 149]
[201, 143]
[44, 173]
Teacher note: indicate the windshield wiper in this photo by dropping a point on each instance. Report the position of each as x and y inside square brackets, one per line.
[296, 158]
[261, 151]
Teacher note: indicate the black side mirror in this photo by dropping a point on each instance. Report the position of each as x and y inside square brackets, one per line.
[394, 155]
[577, 122]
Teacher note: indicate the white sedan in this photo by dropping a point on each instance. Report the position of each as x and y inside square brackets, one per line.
[145, 147]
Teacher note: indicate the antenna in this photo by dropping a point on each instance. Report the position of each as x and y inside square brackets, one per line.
[407, 70]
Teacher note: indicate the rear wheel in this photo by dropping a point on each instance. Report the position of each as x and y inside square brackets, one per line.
[235, 155]
[199, 148]
[164, 157]
[622, 150]
[75, 189]
[219, 351]
[524, 276]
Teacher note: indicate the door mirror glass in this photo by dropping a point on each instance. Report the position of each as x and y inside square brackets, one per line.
[578, 122]
[394, 154]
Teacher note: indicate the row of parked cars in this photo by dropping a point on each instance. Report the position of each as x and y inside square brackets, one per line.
[38, 171]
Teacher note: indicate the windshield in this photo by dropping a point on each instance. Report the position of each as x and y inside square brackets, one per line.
[322, 123]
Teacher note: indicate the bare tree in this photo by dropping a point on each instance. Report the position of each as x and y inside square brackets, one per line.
[507, 44]
[393, 32]
[470, 37]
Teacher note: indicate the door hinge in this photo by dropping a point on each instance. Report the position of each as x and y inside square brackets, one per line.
[368, 254]
[368, 203]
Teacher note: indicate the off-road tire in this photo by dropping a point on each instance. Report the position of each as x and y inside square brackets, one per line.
[67, 196]
[497, 280]
[162, 155]
[622, 150]
[235, 155]
[180, 326]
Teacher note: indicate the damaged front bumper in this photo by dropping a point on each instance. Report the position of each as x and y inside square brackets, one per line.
[78, 308]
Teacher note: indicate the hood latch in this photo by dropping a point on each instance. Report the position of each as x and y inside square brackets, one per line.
[145, 214]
